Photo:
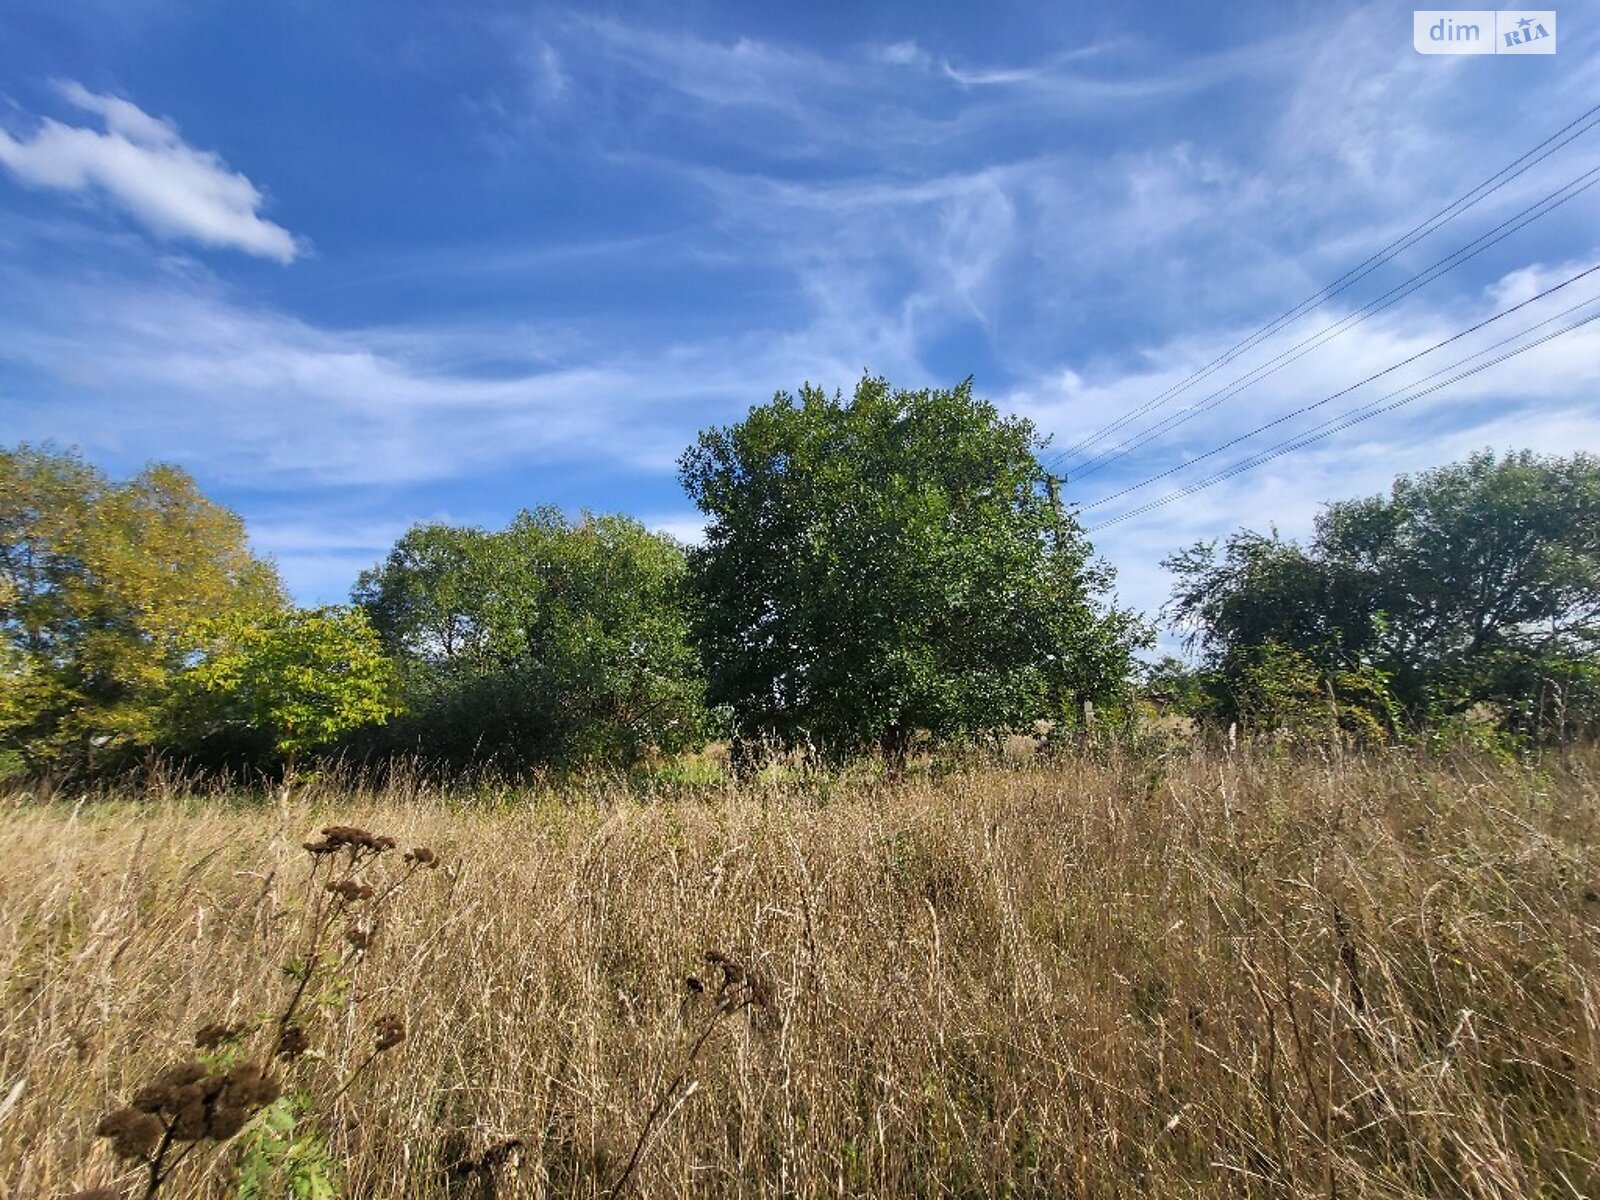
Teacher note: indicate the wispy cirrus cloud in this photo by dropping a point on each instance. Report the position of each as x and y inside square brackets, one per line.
[140, 164]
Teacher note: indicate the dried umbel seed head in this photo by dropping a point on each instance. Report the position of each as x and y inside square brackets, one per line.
[292, 1042]
[351, 890]
[391, 1031]
[422, 857]
[249, 1086]
[492, 1157]
[225, 1122]
[732, 973]
[209, 1037]
[133, 1134]
[197, 1105]
[171, 1089]
[693, 984]
[189, 1122]
[358, 938]
[739, 984]
[337, 837]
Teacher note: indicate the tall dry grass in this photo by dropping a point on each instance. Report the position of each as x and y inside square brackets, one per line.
[1158, 977]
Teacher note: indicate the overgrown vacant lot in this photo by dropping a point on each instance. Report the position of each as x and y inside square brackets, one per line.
[1178, 977]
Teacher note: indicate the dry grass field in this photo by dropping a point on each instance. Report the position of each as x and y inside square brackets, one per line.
[1117, 976]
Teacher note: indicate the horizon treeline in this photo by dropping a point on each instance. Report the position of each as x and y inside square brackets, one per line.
[878, 572]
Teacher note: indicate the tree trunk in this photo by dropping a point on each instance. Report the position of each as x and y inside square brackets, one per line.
[895, 744]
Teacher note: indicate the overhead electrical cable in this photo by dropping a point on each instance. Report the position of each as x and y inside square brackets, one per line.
[1543, 207]
[1568, 133]
[1337, 424]
[1405, 362]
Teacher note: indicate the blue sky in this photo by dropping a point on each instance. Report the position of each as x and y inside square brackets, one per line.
[362, 264]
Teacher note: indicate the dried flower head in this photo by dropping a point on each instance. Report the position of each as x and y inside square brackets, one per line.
[249, 1086]
[422, 857]
[337, 837]
[740, 986]
[693, 984]
[391, 1031]
[761, 990]
[170, 1089]
[732, 972]
[209, 1037]
[351, 890]
[491, 1157]
[358, 938]
[292, 1042]
[133, 1134]
[188, 1104]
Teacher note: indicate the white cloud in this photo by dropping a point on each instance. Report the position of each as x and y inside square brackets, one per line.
[179, 368]
[687, 528]
[141, 164]
[1543, 401]
[900, 54]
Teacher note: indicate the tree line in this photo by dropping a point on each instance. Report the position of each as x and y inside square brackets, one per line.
[877, 569]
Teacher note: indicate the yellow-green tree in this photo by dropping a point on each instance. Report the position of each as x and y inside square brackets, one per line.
[107, 591]
[298, 679]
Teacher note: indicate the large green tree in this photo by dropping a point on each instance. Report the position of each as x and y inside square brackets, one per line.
[892, 563]
[548, 641]
[106, 591]
[1475, 582]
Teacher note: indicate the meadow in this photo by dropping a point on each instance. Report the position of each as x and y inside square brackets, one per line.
[1174, 974]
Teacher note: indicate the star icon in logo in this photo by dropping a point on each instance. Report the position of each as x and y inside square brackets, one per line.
[1524, 23]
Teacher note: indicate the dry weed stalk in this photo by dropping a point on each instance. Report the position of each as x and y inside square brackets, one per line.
[213, 1097]
[738, 989]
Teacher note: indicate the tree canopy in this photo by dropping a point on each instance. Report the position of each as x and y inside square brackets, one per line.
[889, 564]
[1478, 582]
[106, 593]
[294, 679]
[548, 641]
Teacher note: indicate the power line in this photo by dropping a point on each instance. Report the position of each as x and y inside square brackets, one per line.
[1337, 424]
[1549, 203]
[1405, 362]
[1494, 183]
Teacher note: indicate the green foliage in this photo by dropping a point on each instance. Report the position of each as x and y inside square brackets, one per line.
[546, 642]
[892, 564]
[282, 1157]
[300, 677]
[1172, 685]
[1273, 688]
[1477, 583]
[106, 591]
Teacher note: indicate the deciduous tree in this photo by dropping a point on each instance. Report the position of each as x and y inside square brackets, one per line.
[106, 589]
[892, 563]
[546, 642]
